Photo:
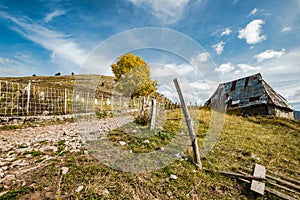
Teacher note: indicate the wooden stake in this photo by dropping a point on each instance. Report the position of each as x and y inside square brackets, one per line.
[189, 124]
[153, 113]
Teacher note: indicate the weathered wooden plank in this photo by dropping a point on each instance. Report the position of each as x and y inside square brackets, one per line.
[258, 186]
[294, 180]
[189, 123]
[279, 194]
[270, 190]
[244, 176]
[283, 182]
[282, 187]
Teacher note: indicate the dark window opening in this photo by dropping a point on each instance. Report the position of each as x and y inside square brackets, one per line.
[233, 86]
[251, 99]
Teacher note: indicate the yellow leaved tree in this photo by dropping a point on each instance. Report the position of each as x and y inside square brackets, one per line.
[133, 76]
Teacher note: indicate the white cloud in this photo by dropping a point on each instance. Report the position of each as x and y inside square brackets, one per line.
[252, 32]
[54, 14]
[225, 67]
[167, 11]
[253, 12]
[247, 68]
[4, 60]
[226, 32]
[200, 58]
[284, 75]
[62, 47]
[268, 54]
[286, 29]
[219, 47]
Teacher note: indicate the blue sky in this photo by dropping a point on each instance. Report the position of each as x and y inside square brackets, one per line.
[239, 37]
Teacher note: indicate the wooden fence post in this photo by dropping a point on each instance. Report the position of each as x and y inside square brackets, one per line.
[65, 100]
[189, 124]
[101, 104]
[87, 103]
[28, 97]
[153, 113]
[143, 105]
[12, 99]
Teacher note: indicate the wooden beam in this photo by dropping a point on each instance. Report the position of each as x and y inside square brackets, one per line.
[189, 123]
[283, 182]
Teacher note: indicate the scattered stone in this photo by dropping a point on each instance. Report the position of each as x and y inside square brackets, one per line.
[64, 170]
[255, 156]
[193, 171]
[174, 177]
[8, 179]
[122, 143]
[79, 189]
[146, 141]
[19, 163]
[105, 192]
[161, 148]
[169, 193]
[134, 131]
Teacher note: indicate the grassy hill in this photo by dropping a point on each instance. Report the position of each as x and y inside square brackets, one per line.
[270, 141]
[105, 83]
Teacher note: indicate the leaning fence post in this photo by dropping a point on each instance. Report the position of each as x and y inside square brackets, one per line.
[28, 97]
[189, 124]
[153, 113]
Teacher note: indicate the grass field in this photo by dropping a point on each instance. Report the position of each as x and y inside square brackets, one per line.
[270, 141]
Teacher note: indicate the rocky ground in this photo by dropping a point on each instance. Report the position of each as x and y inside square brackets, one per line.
[25, 150]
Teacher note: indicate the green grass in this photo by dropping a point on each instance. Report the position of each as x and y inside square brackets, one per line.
[14, 194]
[22, 146]
[272, 142]
[34, 153]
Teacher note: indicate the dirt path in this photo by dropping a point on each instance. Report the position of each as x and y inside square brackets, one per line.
[23, 150]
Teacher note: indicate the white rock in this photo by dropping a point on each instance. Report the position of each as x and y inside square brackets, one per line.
[146, 141]
[79, 189]
[161, 148]
[105, 192]
[174, 177]
[64, 170]
[122, 143]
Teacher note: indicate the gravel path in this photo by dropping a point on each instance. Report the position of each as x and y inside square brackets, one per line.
[23, 150]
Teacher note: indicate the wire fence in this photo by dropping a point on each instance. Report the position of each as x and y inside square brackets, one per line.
[19, 99]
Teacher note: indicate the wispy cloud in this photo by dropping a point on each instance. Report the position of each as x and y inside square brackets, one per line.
[61, 46]
[244, 68]
[253, 12]
[268, 54]
[227, 31]
[200, 58]
[49, 17]
[167, 11]
[286, 29]
[225, 67]
[219, 47]
[4, 60]
[252, 32]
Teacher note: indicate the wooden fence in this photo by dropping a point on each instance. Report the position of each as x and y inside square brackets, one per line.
[19, 99]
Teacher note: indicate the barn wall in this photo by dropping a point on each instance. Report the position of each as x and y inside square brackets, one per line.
[261, 110]
[283, 113]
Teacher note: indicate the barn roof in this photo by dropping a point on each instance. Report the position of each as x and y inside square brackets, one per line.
[248, 91]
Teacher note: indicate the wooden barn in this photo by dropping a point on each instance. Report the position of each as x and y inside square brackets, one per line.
[251, 96]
